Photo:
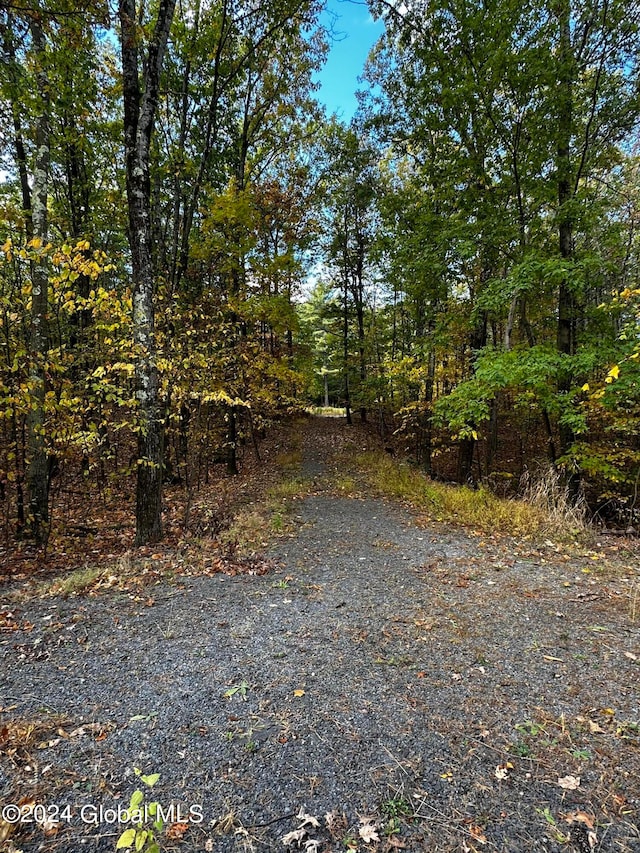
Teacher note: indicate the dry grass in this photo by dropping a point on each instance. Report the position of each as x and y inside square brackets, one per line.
[476, 508]
[86, 578]
[327, 411]
[289, 460]
[78, 581]
[546, 491]
[254, 526]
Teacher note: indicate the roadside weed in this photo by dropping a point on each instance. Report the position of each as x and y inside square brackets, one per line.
[144, 815]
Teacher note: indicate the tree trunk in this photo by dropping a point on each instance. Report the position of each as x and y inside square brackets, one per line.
[358, 294]
[465, 460]
[37, 474]
[429, 389]
[345, 343]
[14, 72]
[140, 106]
[567, 313]
[467, 445]
[232, 442]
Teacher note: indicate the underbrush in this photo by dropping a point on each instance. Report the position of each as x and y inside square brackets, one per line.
[216, 521]
[545, 490]
[249, 530]
[255, 524]
[476, 508]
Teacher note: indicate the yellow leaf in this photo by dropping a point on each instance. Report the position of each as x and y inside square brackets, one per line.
[298, 692]
[613, 373]
[127, 839]
[585, 387]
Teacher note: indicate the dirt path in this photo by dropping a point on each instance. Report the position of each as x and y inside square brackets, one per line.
[418, 685]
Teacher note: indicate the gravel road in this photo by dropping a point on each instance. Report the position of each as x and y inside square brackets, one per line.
[405, 685]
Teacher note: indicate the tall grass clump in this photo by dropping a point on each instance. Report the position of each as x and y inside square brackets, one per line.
[477, 508]
[547, 490]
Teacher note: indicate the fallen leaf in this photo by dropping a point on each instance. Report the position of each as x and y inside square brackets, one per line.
[594, 727]
[6, 829]
[49, 826]
[367, 831]
[569, 783]
[588, 821]
[580, 817]
[478, 834]
[307, 820]
[47, 744]
[177, 830]
[336, 823]
[621, 804]
[298, 692]
[294, 837]
[631, 656]
[502, 770]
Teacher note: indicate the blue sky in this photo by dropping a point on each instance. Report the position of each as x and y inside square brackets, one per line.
[356, 32]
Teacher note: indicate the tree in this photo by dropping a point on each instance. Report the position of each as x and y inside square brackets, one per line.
[140, 107]
[34, 197]
[351, 228]
[320, 335]
[38, 461]
[518, 111]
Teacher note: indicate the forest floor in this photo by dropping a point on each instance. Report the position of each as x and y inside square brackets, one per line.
[375, 681]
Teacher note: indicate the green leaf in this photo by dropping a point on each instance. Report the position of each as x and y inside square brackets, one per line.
[126, 840]
[136, 799]
[151, 779]
[141, 838]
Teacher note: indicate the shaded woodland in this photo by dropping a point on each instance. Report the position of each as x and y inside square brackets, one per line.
[191, 250]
